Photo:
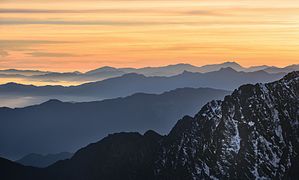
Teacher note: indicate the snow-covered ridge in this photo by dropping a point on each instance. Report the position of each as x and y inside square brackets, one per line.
[252, 134]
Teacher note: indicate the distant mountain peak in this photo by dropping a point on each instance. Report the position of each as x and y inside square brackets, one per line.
[12, 84]
[106, 68]
[187, 72]
[231, 63]
[102, 69]
[52, 101]
[41, 160]
[292, 76]
[151, 134]
[227, 69]
[133, 75]
[181, 64]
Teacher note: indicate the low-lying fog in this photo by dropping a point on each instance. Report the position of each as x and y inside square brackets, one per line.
[21, 101]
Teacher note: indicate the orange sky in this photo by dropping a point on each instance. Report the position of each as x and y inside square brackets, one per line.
[68, 35]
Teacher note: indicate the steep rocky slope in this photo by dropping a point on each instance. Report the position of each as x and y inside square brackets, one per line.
[252, 134]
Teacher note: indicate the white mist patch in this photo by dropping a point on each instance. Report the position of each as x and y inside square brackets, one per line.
[23, 101]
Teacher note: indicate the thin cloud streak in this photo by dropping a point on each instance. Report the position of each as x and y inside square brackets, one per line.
[4, 43]
[62, 22]
[120, 10]
[3, 53]
[142, 23]
[25, 45]
[50, 54]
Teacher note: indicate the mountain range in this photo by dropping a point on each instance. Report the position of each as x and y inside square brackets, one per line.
[128, 84]
[252, 134]
[66, 126]
[109, 72]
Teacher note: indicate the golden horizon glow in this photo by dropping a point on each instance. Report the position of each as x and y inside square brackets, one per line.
[82, 35]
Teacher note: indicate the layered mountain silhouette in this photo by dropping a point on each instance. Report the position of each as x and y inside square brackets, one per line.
[128, 84]
[22, 72]
[251, 134]
[109, 72]
[56, 126]
[273, 69]
[39, 160]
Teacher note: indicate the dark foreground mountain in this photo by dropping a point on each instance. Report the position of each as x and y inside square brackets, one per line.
[56, 126]
[252, 134]
[39, 160]
[128, 84]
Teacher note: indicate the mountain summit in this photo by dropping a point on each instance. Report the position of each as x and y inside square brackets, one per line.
[252, 134]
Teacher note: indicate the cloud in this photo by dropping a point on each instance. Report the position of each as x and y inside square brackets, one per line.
[202, 12]
[107, 10]
[193, 22]
[62, 22]
[21, 45]
[23, 11]
[50, 54]
[20, 42]
[3, 53]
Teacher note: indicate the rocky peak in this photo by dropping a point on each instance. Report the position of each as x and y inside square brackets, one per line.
[292, 76]
[253, 133]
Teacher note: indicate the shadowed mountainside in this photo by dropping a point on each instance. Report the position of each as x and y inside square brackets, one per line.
[56, 126]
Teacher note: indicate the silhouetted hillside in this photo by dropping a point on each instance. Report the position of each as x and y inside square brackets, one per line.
[11, 170]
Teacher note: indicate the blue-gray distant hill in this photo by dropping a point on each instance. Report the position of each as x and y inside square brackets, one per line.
[39, 160]
[56, 126]
[128, 84]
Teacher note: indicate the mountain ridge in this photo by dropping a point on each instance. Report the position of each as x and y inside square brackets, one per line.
[224, 141]
[252, 134]
[225, 78]
[68, 126]
[106, 72]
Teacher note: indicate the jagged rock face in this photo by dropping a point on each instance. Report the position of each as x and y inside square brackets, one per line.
[252, 134]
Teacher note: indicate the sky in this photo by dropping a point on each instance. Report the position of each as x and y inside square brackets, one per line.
[79, 35]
